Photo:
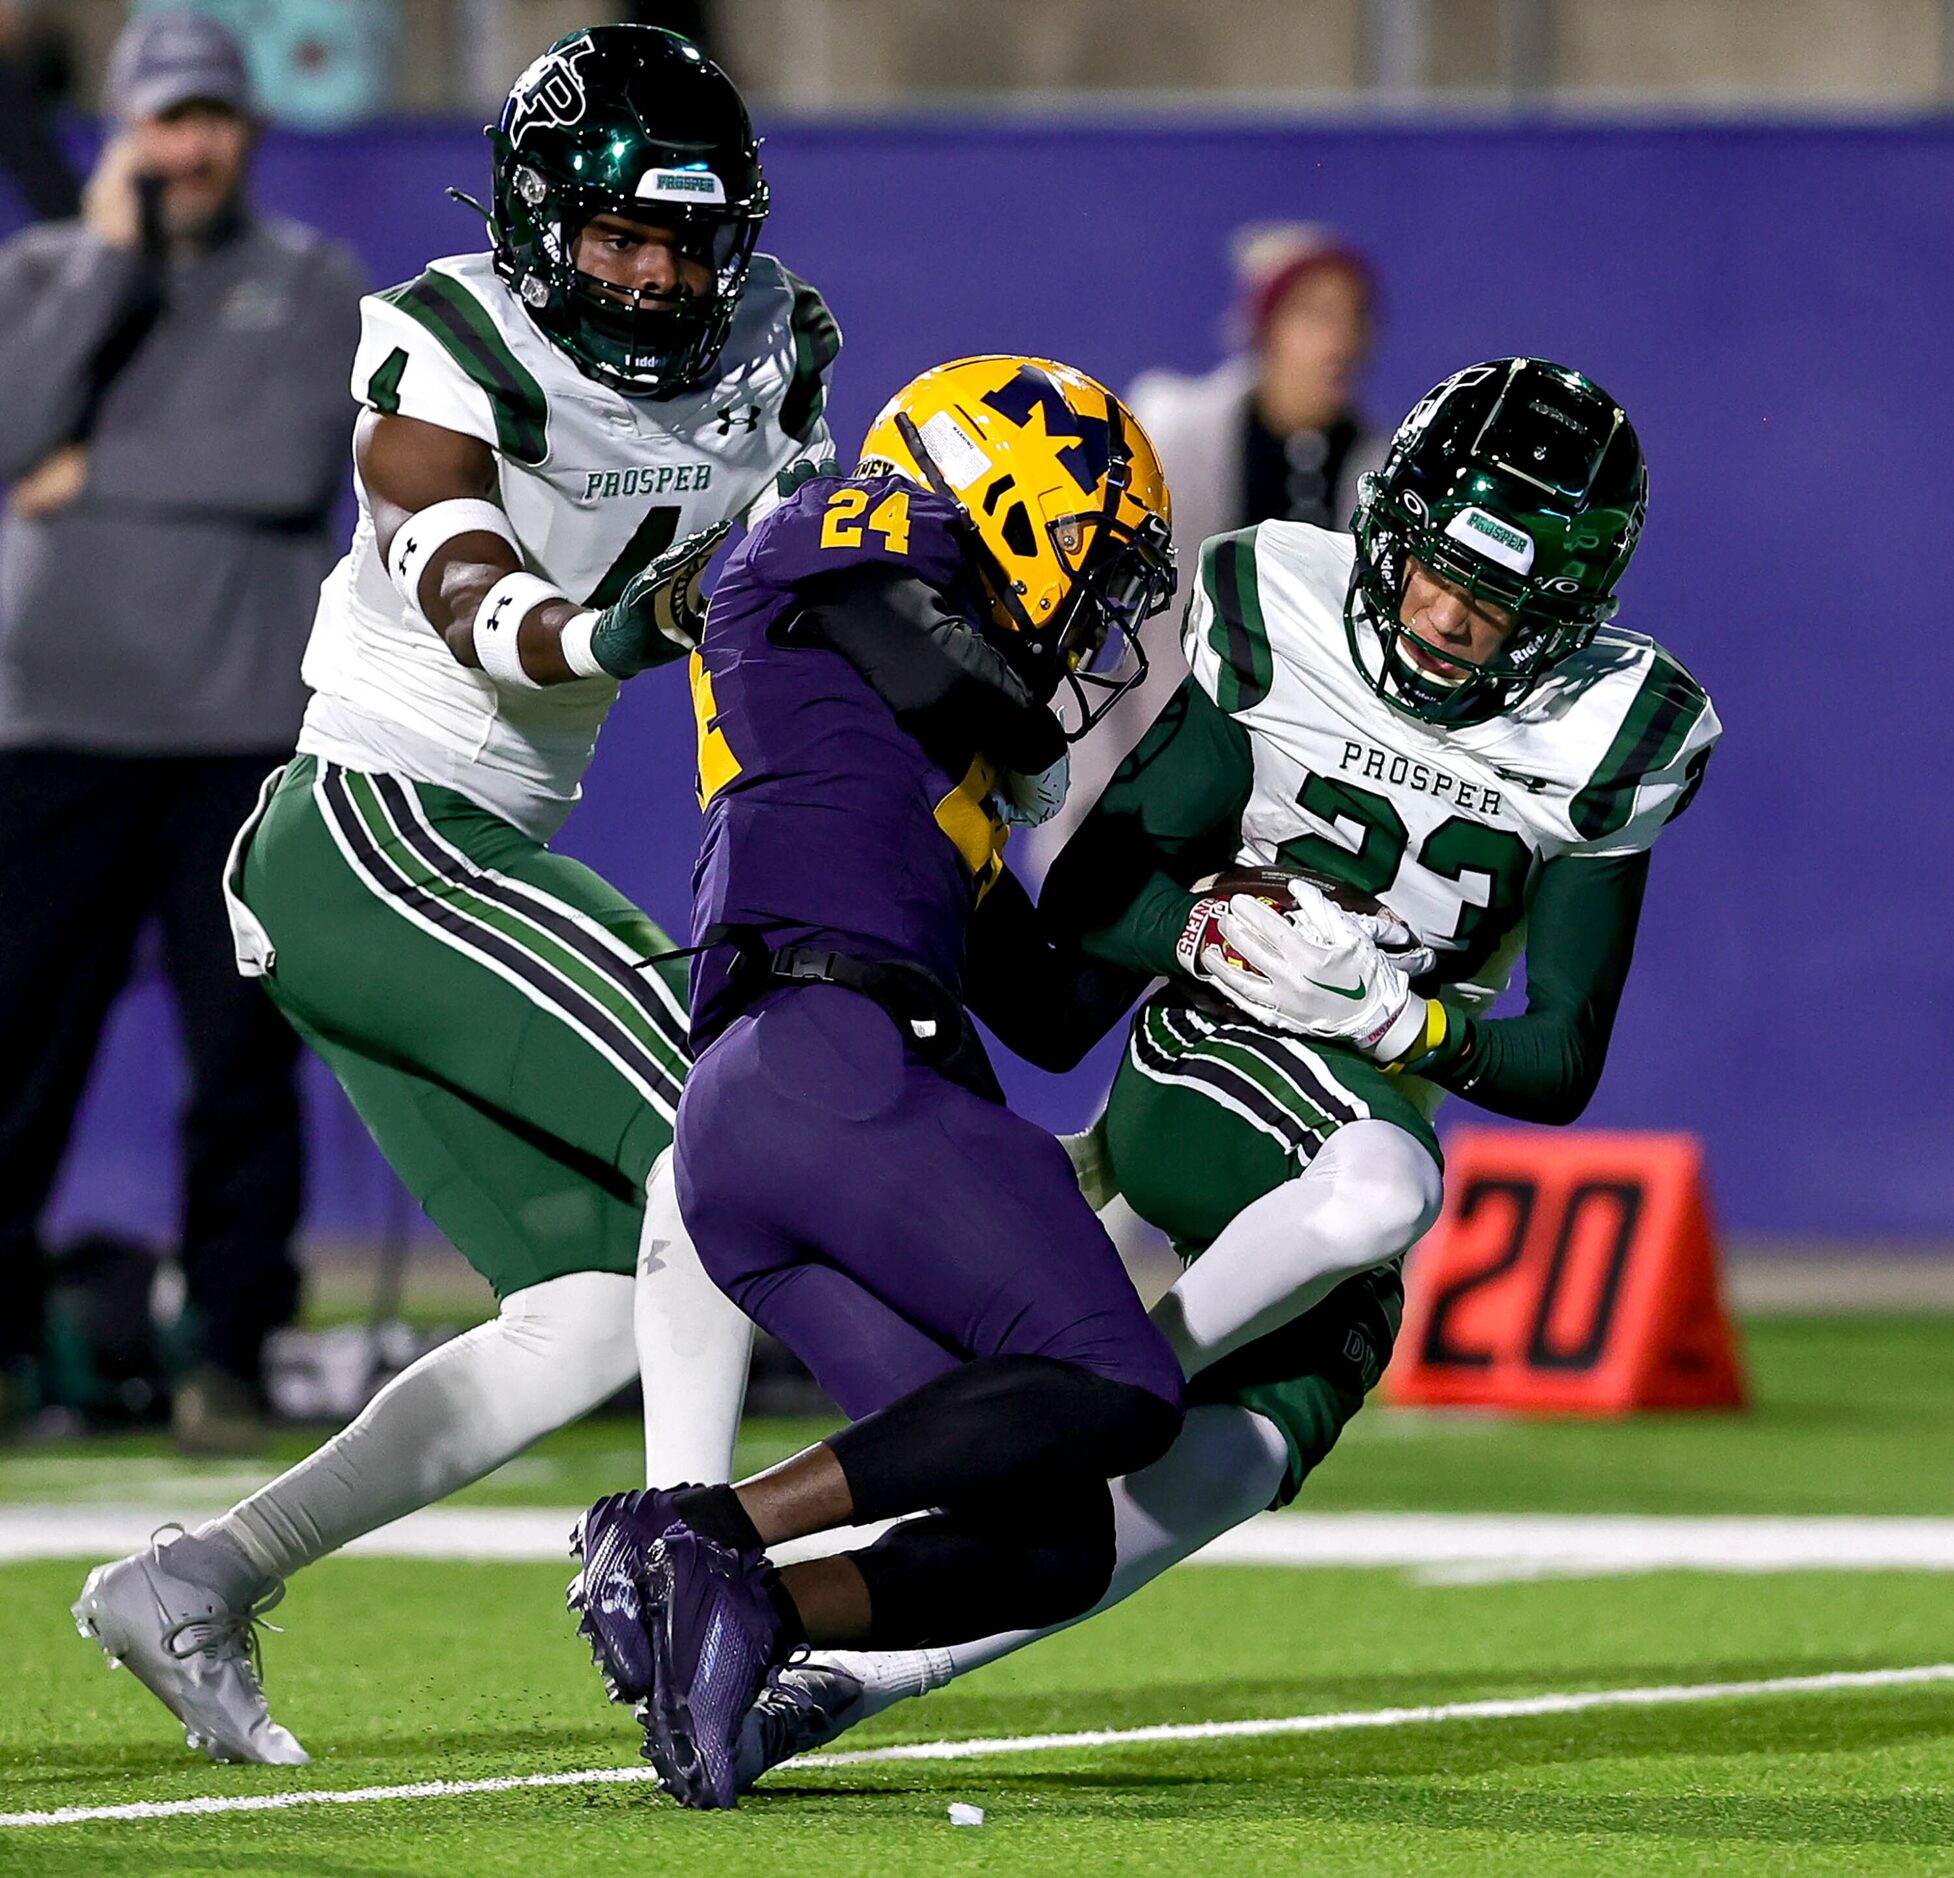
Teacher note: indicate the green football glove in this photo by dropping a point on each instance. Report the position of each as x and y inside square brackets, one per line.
[661, 612]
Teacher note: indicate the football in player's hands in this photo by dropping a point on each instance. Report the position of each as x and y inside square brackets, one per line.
[1315, 972]
[1284, 888]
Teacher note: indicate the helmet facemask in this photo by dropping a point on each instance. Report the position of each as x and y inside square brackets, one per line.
[635, 122]
[1125, 576]
[646, 345]
[1088, 654]
[1392, 530]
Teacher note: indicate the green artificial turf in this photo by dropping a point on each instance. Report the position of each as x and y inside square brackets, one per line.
[396, 1672]
[405, 1671]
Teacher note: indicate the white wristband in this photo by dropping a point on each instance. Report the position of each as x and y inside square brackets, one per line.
[1397, 1037]
[574, 639]
[426, 532]
[498, 627]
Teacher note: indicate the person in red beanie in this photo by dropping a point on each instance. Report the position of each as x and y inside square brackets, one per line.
[1274, 432]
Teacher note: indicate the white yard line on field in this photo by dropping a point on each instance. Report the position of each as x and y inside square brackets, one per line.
[1511, 1708]
[1441, 1547]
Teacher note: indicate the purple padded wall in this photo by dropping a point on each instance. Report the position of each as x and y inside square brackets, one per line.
[1771, 305]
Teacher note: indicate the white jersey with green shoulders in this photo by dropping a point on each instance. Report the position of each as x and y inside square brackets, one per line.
[595, 484]
[1449, 826]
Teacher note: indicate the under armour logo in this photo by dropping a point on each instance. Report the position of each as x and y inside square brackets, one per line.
[747, 416]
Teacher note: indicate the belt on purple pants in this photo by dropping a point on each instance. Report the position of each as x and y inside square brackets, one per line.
[928, 1013]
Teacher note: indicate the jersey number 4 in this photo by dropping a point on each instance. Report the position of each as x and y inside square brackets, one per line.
[655, 532]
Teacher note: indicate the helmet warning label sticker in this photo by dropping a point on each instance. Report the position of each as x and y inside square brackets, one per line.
[1498, 541]
[680, 186]
[958, 454]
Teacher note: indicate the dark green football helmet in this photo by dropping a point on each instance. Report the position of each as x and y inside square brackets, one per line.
[632, 121]
[1519, 482]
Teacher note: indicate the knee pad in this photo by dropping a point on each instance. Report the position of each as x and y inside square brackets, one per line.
[1083, 1424]
[1134, 1428]
[1069, 1563]
[1380, 1190]
[1000, 1422]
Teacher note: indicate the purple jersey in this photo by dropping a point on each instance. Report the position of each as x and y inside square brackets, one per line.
[826, 820]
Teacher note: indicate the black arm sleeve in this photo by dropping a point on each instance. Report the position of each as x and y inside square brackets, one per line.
[1045, 999]
[948, 684]
[1543, 1066]
[1172, 812]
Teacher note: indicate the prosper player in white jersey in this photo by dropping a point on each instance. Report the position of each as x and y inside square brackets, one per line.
[1434, 714]
[621, 373]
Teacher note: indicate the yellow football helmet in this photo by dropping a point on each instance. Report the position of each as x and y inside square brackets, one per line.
[1063, 493]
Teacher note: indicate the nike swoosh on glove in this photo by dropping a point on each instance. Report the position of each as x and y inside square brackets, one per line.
[662, 610]
[1315, 972]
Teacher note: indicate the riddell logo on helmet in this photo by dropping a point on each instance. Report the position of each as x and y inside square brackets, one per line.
[1496, 540]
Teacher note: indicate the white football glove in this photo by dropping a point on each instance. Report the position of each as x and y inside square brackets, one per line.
[1314, 971]
[1025, 801]
[1399, 945]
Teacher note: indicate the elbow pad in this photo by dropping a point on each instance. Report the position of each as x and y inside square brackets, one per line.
[426, 532]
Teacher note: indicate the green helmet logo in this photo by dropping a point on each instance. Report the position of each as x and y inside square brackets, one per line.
[1521, 483]
[635, 122]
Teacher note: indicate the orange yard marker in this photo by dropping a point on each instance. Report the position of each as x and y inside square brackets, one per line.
[1570, 1274]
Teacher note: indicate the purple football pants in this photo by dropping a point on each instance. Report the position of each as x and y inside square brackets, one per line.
[885, 1223]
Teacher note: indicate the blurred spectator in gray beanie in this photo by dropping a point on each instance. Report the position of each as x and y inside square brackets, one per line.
[174, 422]
[1274, 432]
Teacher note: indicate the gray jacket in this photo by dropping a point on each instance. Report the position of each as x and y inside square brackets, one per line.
[165, 610]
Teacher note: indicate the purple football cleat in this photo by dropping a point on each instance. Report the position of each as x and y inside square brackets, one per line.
[715, 1635]
[613, 1539]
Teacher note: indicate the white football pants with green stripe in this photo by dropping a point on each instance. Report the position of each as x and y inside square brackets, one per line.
[487, 1008]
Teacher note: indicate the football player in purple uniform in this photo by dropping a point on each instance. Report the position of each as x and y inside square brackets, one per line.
[874, 695]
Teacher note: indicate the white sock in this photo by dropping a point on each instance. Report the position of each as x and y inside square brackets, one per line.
[554, 1352]
[1370, 1194]
[1225, 1466]
[693, 1346]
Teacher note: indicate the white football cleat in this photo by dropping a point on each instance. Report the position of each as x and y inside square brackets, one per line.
[803, 1707]
[192, 1650]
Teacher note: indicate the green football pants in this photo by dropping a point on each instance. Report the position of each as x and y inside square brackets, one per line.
[1208, 1114]
[485, 1005]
